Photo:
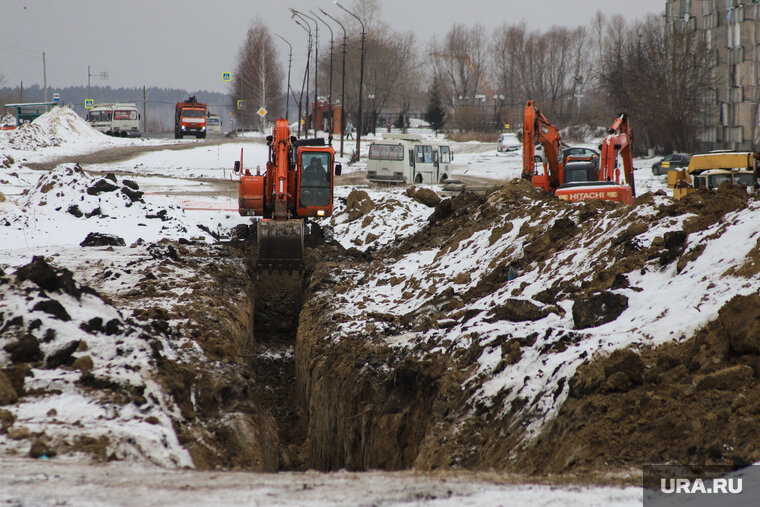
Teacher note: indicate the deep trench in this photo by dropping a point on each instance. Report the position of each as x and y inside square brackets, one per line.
[277, 306]
[337, 408]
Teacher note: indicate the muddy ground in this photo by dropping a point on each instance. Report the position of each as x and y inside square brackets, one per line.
[274, 390]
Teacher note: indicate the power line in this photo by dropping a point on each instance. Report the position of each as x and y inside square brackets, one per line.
[22, 51]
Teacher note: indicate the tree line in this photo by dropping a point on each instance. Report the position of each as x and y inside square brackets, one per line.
[473, 80]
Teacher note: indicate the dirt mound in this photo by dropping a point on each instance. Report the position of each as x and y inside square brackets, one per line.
[689, 402]
[708, 206]
[358, 204]
[68, 390]
[424, 195]
[498, 302]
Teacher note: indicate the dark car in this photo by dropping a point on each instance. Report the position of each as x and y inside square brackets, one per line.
[580, 154]
[672, 161]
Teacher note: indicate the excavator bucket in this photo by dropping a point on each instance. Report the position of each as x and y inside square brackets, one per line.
[280, 245]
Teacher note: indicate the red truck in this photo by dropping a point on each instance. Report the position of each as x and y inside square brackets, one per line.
[190, 118]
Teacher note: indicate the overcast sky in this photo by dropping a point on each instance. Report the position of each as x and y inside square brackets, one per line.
[190, 43]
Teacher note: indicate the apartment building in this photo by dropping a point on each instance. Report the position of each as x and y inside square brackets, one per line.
[731, 31]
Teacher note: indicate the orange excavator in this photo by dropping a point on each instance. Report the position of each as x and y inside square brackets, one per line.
[537, 129]
[297, 185]
[579, 179]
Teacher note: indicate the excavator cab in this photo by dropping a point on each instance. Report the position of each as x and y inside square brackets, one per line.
[315, 182]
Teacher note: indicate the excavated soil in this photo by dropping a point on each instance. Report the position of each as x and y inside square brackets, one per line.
[277, 391]
[690, 402]
[370, 405]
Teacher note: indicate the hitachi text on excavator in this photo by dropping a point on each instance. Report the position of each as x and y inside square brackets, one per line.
[296, 185]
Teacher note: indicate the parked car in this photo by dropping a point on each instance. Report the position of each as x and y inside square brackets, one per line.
[507, 142]
[672, 161]
[540, 155]
[579, 153]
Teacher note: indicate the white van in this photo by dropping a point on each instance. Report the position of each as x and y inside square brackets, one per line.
[407, 158]
[213, 124]
[115, 119]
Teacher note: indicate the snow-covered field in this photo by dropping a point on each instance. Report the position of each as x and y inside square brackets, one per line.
[189, 195]
[24, 482]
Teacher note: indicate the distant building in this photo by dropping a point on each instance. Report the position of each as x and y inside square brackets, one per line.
[731, 29]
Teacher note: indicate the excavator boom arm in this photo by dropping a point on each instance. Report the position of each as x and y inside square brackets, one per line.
[537, 129]
[618, 142]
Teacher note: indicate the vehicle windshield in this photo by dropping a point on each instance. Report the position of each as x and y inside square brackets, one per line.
[100, 115]
[193, 113]
[746, 179]
[315, 179]
[715, 180]
[386, 152]
[213, 121]
[124, 114]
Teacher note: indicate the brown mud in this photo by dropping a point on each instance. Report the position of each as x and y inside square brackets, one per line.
[280, 387]
[373, 406]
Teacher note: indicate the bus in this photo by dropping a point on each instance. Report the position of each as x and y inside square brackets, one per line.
[408, 158]
[122, 120]
[213, 124]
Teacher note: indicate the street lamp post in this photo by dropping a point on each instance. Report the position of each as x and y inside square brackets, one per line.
[307, 29]
[287, 90]
[343, 83]
[304, 17]
[329, 94]
[361, 81]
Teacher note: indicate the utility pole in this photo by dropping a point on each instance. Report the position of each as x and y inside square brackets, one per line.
[307, 29]
[343, 83]
[44, 75]
[329, 94]
[287, 90]
[361, 82]
[304, 17]
[145, 113]
[88, 82]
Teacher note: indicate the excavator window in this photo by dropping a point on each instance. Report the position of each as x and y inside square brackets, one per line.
[580, 171]
[315, 179]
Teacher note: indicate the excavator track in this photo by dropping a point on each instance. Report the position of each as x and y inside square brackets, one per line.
[280, 245]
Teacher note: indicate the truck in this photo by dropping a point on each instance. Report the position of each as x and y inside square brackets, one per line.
[190, 118]
[408, 158]
[709, 170]
[115, 119]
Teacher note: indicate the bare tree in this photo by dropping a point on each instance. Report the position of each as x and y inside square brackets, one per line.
[391, 69]
[659, 76]
[259, 78]
[547, 67]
